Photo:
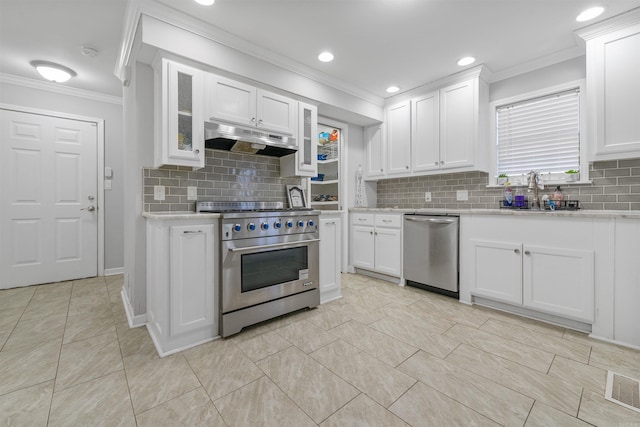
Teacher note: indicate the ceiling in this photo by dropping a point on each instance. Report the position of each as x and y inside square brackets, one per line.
[376, 43]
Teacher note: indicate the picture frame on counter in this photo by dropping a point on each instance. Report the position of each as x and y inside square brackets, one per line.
[296, 198]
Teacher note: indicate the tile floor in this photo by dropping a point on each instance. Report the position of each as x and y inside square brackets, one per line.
[381, 356]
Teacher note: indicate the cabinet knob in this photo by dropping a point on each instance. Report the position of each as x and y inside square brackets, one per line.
[406, 167]
[253, 119]
[381, 170]
[435, 163]
[371, 232]
[527, 253]
[260, 121]
[442, 162]
[197, 151]
[517, 251]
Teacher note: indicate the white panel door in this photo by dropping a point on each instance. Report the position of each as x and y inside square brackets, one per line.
[48, 199]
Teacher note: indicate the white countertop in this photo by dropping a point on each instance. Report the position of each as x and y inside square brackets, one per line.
[583, 213]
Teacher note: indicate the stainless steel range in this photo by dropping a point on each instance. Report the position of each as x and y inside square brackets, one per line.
[269, 261]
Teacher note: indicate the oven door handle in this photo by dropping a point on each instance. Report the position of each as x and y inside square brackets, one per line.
[274, 245]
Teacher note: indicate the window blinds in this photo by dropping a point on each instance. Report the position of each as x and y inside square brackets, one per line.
[541, 134]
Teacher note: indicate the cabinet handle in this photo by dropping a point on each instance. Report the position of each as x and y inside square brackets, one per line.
[192, 232]
[386, 220]
[517, 251]
[362, 219]
[330, 222]
[527, 253]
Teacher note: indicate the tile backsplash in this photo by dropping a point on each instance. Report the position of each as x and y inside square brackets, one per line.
[226, 176]
[615, 186]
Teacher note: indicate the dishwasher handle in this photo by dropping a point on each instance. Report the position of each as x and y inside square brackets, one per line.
[430, 220]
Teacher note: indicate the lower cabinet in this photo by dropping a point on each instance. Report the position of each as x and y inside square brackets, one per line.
[553, 280]
[182, 285]
[530, 268]
[376, 242]
[330, 257]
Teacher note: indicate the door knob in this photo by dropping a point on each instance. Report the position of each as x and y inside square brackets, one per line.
[89, 208]
[90, 197]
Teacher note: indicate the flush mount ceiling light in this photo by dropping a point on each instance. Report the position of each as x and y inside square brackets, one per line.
[590, 14]
[53, 72]
[205, 2]
[466, 61]
[393, 89]
[325, 57]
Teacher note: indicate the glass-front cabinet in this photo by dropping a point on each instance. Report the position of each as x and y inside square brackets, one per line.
[305, 161]
[180, 140]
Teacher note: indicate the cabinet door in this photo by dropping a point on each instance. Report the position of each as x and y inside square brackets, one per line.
[231, 101]
[183, 134]
[399, 139]
[276, 112]
[458, 124]
[376, 146]
[362, 250]
[307, 144]
[192, 302]
[614, 93]
[388, 247]
[425, 133]
[330, 245]
[559, 281]
[497, 269]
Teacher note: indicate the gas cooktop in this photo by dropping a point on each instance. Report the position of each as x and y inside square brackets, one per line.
[246, 207]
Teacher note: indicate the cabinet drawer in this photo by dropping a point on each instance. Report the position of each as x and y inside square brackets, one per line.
[362, 219]
[389, 220]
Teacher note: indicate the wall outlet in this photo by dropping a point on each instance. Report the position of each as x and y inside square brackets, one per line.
[158, 192]
[192, 193]
[427, 196]
[462, 195]
[107, 184]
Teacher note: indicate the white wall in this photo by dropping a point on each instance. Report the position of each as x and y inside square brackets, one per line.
[562, 72]
[111, 113]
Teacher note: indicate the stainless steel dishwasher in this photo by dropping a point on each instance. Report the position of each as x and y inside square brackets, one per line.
[431, 252]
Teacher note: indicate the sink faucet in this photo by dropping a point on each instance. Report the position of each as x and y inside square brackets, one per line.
[534, 182]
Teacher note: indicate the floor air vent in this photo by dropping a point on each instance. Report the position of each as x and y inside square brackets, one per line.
[623, 390]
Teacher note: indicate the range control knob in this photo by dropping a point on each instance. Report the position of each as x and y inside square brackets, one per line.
[300, 223]
[251, 226]
[289, 224]
[264, 226]
[277, 225]
[236, 228]
[311, 223]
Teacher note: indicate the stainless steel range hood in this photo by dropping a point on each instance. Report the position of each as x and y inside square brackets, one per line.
[244, 140]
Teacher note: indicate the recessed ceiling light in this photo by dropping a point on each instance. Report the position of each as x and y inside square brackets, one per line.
[325, 57]
[205, 2]
[393, 89]
[53, 72]
[590, 14]
[466, 61]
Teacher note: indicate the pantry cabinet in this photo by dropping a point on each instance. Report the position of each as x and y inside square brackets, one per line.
[182, 284]
[330, 256]
[526, 267]
[377, 242]
[613, 87]
[179, 138]
[240, 103]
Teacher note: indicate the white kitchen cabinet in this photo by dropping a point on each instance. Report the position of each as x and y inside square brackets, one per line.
[626, 291]
[377, 242]
[459, 126]
[330, 256]
[398, 119]
[425, 133]
[182, 284]
[525, 263]
[179, 139]
[375, 151]
[236, 102]
[613, 87]
[305, 161]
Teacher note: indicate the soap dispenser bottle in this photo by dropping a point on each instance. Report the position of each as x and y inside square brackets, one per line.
[558, 197]
[508, 196]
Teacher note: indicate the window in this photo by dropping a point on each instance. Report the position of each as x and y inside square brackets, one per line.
[542, 132]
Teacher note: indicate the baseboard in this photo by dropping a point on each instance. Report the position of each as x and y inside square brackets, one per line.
[113, 271]
[133, 320]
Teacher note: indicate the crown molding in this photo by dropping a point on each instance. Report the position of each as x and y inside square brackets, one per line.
[536, 64]
[57, 88]
[185, 22]
[614, 23]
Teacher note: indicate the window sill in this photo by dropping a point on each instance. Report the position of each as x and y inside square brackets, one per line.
[545, 183]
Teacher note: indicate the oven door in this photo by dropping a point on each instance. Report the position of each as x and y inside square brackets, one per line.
[255, 271]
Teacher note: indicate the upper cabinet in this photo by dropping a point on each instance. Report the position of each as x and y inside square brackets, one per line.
[235, 102]
[613, 87]
[305, 161]
[376, 145]
[442, 130]
[179, 119]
